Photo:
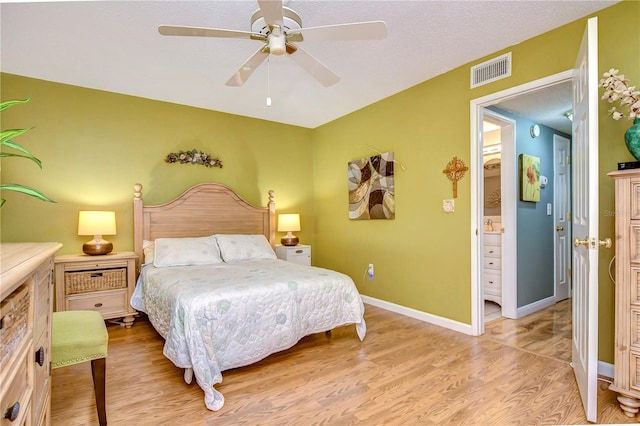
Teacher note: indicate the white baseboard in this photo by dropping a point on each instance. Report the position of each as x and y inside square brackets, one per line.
[419, 315]
[535, 307]
[604, 368]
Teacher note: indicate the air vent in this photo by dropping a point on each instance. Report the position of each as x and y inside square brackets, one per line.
[491, 70]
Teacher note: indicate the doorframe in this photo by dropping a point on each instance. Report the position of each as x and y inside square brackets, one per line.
[477, 202]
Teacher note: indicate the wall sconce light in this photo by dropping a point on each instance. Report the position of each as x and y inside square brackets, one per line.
[289, 223]
[97, 223]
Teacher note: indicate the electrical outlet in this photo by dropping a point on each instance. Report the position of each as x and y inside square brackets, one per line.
[370, 272]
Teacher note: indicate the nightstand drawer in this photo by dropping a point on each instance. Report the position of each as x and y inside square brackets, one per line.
[107, 302]
[95, 280]
[300, 254]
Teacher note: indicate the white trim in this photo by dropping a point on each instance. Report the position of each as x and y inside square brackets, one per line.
[535, 307]
[606, 370]
[476, 106]
[419, 315]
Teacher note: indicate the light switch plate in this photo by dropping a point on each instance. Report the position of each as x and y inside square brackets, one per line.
[448, 206]
[549, 209]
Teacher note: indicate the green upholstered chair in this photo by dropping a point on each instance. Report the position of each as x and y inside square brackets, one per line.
[81, 336]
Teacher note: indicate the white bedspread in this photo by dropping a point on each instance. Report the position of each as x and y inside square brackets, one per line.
[217, 317]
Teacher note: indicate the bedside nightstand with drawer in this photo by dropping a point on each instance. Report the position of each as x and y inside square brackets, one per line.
[300, 254]
[98, 283]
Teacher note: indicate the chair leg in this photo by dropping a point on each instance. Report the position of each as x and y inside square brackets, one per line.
[98, 369]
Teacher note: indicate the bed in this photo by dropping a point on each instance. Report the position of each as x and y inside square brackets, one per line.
[211, 285]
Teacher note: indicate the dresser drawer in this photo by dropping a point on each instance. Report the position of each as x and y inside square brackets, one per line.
[634, 372]
[18, 391]
[492, 283]
[41, 359]
[634, 286]
[492, 263]
[15, 321]
[634, 321]
[108, 303]
[492, 251]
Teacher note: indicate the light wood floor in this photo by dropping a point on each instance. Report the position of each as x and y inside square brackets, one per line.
[406, 372]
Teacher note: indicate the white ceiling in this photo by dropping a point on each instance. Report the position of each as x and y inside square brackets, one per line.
[115, 46]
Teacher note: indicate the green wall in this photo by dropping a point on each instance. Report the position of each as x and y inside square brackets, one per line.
[95, 145]
[423, 257]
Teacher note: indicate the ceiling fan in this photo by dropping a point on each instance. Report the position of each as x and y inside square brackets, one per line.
[278, 28]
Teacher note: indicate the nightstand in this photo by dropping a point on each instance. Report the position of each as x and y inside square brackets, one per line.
[98, 283]
[300, 254]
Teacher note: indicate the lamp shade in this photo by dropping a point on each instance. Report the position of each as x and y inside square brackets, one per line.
[288, 222]
[97, 223]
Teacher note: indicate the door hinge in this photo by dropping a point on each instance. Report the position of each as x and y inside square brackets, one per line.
[569, 216]
[568, 159]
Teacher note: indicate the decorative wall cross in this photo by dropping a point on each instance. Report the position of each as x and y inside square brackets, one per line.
[454, 171]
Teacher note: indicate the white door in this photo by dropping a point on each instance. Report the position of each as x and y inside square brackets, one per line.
[561, 212]
[585, 219]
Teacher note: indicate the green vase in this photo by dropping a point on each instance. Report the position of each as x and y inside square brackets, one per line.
[632, 139]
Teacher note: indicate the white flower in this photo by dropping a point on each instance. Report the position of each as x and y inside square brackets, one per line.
[616, 89]
[615, 114]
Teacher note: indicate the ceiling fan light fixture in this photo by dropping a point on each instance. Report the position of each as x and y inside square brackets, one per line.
[277, 44]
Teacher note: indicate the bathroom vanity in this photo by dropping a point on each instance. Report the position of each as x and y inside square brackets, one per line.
[492, 268]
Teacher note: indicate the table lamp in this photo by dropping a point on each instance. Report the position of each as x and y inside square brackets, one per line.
[289, 223]
[97, 223]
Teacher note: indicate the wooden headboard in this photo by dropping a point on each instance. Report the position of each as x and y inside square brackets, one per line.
[202, 210]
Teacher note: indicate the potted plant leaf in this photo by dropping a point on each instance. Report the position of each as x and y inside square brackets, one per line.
[6, 141]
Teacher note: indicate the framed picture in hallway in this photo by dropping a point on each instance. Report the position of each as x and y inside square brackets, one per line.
[529, 178]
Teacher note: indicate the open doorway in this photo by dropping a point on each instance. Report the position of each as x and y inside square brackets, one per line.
[509, 106]
[525, 250]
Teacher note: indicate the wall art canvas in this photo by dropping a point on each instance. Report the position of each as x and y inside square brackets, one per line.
[529, 178]
[371, 188]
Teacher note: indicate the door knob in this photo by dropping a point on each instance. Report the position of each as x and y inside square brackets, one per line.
[559, 228]
[606, 243]
[578, 242]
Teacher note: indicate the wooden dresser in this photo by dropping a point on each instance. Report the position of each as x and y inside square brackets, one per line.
[627, 300]
[26, 290]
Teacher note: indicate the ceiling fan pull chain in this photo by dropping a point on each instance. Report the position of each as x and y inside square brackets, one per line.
[268, 82]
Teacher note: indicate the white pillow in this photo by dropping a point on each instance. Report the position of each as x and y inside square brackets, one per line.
[244, 247]
[148, 249]
[186, 251]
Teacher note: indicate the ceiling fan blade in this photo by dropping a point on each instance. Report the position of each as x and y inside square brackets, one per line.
[244, 72]
[272, 12]
[175, 30]
[324, 75]
[372, 30]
